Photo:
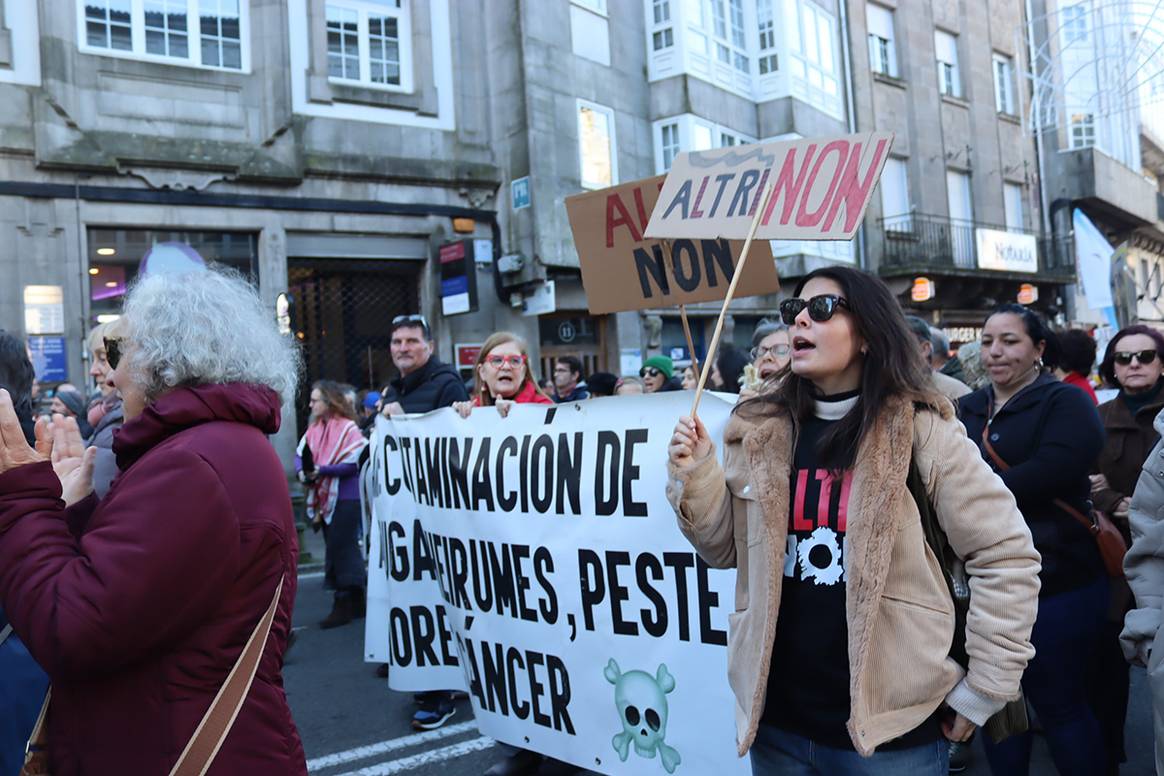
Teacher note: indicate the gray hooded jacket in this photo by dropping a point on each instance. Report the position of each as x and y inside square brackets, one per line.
[1143, 638]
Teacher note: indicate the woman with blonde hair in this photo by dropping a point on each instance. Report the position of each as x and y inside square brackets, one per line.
[328, 464]
[104, 414]
[503, 376]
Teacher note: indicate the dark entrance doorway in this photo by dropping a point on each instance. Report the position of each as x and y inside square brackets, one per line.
[341, 312]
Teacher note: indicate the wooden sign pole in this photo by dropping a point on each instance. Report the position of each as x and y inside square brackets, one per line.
[690, 342]
[710, 357]
[683, 312]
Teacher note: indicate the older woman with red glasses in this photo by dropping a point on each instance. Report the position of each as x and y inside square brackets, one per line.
[503, 377]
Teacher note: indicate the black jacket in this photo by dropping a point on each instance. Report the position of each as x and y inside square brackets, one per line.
[431, 387]
[1051, 436]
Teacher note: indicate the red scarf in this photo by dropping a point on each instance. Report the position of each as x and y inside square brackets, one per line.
[528, 394]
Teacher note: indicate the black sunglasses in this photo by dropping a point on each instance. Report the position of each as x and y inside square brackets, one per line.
[1144, 357]
[649, 371]
[112, 351]
[820, 308]
[410, 320]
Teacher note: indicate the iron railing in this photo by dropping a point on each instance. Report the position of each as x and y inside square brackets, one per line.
[920, 241]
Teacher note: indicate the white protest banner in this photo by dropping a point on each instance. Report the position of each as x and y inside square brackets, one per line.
[406, 624]
[821, 189]
[586, 626]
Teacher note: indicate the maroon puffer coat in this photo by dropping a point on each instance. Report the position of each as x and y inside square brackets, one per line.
[138, 606]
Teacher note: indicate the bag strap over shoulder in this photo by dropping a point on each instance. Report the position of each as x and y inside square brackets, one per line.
[5, 632]
[1089, 523]
[200, 751]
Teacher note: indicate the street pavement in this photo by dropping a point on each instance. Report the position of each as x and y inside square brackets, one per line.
[351, 723]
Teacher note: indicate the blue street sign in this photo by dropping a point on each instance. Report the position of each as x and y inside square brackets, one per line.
[49, 359]
[519, 193]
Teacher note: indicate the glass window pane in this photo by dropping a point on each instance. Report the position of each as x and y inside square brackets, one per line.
[121, 38]
[96, 34]
[594, 138]
[155, 42]
[232, 55]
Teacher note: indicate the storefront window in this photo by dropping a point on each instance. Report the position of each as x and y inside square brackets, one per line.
[116, 257]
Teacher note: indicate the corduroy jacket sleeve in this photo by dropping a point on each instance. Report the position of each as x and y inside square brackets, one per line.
[985, 529]
[703, 504]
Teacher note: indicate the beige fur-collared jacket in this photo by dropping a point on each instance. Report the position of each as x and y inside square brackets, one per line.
[898, 608]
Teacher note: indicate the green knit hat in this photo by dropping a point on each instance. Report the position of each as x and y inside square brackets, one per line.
[662, 363]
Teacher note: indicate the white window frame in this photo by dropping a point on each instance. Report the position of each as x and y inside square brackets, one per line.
[193, 38]
[1075, 25]
[1004, 88]
[1013, 207]
[882, 50]
[661, 19]
[949, 73]
[768, 58]
[808, 61]
[610, 116]
[688, 126]
[403, 16]
[1081, 132]
[668, 150]
[725, 12]
[597, 6]
[896, 171]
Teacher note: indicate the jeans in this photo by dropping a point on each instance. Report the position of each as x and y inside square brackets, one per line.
[1055, 684]
[776, 752]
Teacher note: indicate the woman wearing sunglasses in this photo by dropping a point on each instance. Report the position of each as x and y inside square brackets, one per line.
[503, 377]
[1043, 437]
[839, 648]
[138, 605]
[1132, 363]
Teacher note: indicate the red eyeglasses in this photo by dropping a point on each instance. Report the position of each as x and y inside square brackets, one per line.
[497, 362]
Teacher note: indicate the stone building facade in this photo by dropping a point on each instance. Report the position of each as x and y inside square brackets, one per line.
[330, 148]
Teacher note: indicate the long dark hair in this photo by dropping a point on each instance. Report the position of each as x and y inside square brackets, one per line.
[731, 361]
[16, 374]
[893, 368]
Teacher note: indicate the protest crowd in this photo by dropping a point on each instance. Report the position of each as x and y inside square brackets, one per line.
[988, 522]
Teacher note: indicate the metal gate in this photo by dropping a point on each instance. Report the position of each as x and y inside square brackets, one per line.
[342, 310]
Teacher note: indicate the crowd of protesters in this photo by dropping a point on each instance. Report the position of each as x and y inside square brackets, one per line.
[987, 529]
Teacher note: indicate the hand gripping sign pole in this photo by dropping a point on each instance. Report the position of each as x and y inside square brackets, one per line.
[710, 357]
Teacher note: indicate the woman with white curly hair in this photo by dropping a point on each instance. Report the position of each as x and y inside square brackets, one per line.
[165, 607]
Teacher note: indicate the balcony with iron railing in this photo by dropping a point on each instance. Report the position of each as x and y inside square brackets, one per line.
[917, 243]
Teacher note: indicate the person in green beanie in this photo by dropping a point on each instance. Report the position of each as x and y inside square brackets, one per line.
[658, 373]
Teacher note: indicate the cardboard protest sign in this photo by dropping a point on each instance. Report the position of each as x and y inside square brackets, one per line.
[821, 189]
[558, 582]
[622, 270]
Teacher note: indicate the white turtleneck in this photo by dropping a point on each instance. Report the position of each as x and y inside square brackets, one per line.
[834, 409]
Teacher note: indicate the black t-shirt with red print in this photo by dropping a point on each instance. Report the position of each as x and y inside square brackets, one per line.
[808, 684]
